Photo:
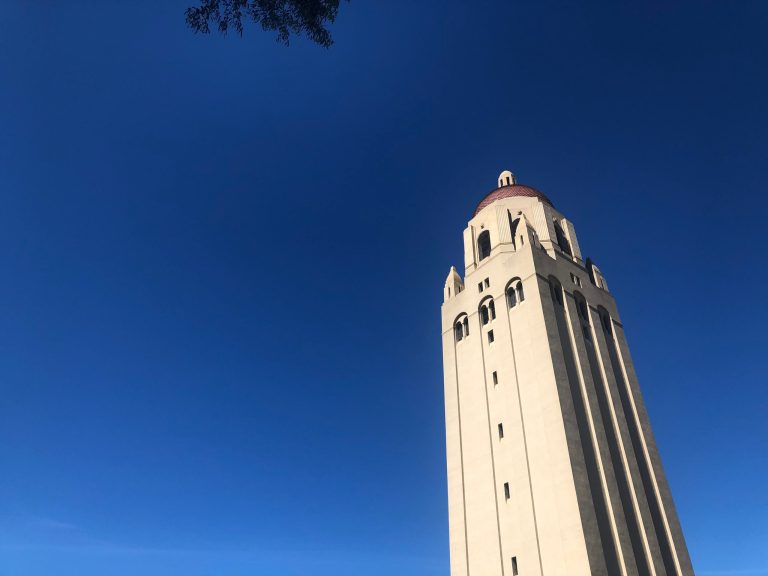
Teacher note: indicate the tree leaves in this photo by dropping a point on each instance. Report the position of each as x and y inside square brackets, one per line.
[286, 17]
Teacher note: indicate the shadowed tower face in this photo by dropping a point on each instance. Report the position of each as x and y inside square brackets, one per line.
[552, 465]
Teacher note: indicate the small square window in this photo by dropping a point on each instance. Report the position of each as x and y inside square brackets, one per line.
[501, 430]
[487, 282]
[480, 287]
[514, 565]
[495, 378]
[506, 491]
[490, 336]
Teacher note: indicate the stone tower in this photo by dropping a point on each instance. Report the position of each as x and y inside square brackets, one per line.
[552, 465]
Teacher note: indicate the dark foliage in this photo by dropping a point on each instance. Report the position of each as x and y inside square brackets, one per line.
[286, 17]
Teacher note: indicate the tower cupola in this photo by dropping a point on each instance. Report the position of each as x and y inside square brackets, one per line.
[509, 188]
[506, 178]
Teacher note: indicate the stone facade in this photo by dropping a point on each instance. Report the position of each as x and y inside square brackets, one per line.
[552, 465]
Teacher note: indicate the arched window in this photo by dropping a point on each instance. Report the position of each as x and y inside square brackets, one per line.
[484, 245]
[511, 297]
[605, 320]
[487, 311]
[556, 289]
[514, 293]
[458, 331]
[461, 328]
[581, 304]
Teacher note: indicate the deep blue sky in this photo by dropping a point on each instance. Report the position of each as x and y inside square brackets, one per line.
[222, 264]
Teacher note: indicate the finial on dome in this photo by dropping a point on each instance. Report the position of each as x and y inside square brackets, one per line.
[506, 178]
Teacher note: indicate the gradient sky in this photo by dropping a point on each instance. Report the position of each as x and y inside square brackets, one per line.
[223, 259]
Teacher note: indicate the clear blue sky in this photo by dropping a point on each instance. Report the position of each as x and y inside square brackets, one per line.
[222, 264]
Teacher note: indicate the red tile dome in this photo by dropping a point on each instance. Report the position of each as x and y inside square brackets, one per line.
[511, 191]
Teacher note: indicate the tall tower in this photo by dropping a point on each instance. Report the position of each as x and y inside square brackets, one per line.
[552, 465]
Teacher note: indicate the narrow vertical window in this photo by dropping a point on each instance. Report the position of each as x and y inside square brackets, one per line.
[480, 287]
[466, 326]
[583, 310]
[511, 297]
[484, 315]
[514, 566]
[487, 282]
[520, 293]
[490, 336]
[562, 241]
[506, 491]
[458, 331]
[557, 291]
[492, 310]
[501, 430]
[484, 245]
[606, 319]
[495, 377]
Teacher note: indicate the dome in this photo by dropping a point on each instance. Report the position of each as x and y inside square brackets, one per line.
[511, 191]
